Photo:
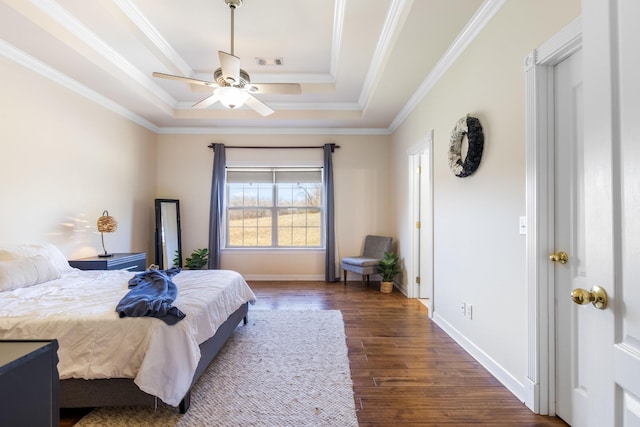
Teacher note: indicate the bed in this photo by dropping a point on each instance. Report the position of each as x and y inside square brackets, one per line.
[105, 360]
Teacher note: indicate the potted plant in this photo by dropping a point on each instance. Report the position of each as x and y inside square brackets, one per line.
[388, 268]
[198, 259]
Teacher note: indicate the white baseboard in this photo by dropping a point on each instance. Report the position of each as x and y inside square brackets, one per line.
[532, 393]
[520, 390]
[284, 278]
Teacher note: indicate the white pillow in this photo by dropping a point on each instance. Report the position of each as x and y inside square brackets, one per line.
[22, 272]
[27, 250]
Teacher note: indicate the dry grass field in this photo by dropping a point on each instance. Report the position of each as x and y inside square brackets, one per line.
[294, 230]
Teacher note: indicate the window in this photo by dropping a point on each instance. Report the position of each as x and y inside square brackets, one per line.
[274, 207]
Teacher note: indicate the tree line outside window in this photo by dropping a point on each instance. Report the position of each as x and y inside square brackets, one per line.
[274, 207]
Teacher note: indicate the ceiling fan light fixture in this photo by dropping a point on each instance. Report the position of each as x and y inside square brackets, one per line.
[232, 84]
[231, 97]
[233, 4]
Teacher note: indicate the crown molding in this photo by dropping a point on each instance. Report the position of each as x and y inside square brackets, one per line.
[336, 41]
[149, 31]
[57, 77]
[475, 25]
[397, 14]
[271, 131]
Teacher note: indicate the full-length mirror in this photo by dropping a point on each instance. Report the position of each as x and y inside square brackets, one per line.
[168, 242]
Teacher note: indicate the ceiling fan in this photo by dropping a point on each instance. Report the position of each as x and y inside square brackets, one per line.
[232, 85]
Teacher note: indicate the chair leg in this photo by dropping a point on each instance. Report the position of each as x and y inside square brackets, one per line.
[345, 277]
[365, 281]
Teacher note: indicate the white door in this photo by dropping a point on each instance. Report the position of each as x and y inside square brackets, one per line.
[611, 350]
[413, 273]
[420, 275]
[569, 239]
[426, 226]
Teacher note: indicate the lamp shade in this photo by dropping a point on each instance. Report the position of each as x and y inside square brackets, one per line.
[231, 97]
[106, 223]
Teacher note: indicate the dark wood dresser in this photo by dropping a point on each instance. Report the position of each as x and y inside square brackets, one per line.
[29, 383]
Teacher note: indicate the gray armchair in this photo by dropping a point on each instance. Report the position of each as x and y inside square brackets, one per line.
[367, 263]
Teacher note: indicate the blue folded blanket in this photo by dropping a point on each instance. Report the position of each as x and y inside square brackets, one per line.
[152, 293]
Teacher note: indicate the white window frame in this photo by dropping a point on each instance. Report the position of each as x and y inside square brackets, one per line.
[260, 174]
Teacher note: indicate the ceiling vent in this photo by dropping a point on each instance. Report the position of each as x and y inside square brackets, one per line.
[269, 61]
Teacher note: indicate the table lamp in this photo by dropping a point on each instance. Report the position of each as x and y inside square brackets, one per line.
[106, 224]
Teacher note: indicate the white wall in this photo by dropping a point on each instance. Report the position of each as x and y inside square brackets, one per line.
[64, 160]
[362, 186]
[479, 255]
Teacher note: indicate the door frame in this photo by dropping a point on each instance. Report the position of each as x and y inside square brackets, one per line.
[540, 142]
[421, 247]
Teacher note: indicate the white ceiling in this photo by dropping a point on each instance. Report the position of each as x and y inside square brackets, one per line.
[360, 62]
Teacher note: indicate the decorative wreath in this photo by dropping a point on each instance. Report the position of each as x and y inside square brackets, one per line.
[469, 126]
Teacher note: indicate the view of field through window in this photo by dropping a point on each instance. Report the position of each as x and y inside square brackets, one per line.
[280, 212]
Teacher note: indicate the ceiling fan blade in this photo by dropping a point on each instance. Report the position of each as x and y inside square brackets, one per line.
[209, 100]
[230, 67]
[259, 106]
[185, 79]
[279, 88]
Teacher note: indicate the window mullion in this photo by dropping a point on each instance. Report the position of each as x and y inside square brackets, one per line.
[274, 215]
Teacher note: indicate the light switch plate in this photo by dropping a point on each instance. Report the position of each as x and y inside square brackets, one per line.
[523, 225]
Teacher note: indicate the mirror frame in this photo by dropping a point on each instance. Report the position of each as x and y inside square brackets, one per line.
[159, 237]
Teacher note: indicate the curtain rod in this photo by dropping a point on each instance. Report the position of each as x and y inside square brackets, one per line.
[333, 146]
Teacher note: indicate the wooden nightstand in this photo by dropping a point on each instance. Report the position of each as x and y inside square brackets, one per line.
[29, 383]
[130, 261]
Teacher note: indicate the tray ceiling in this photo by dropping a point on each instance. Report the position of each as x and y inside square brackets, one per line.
[360, 62]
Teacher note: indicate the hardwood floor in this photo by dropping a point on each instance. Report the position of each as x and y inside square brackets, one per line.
[406, 371]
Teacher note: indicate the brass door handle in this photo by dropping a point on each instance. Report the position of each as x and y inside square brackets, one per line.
[560, 257]
[597, 296]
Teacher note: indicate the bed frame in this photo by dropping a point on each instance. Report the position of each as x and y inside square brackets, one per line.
[80, 393]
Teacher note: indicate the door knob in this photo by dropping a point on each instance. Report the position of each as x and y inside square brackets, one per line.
[560, 257]
[597, 296]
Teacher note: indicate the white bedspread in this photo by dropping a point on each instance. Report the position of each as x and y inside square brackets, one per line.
[79, 311]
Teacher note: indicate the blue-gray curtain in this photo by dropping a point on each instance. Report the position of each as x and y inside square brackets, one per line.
[330, 234]
[216, 212]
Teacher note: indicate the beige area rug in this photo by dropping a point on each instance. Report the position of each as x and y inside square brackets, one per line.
[284, 368]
